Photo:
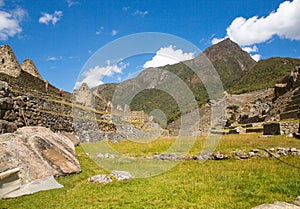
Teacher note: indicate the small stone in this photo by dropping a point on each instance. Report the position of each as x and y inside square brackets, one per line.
[218, 156]
[255, 150]
[155, 156]
[293, 150]
[272, 149]
[173, 156]
[251, 154]
[102, 178]
[163, 157]
[242, 155]
[100, 155]
[121, 175]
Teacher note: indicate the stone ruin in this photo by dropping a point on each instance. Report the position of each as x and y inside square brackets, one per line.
[29, 66]
[127, 114]
[9, 64]
[83, 95]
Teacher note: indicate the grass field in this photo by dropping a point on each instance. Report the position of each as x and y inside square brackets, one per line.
[190, 184]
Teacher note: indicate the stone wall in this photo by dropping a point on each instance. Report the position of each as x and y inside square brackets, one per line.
[29, 67]
[8, 62]
[18, 110]
[278, 128]
[25, 82]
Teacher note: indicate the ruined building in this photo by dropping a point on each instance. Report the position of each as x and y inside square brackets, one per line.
[10, 65]
[83, 95]
[29, 66]
[8, 62]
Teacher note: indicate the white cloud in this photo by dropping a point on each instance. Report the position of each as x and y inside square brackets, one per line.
[72, 2]
[46, 18]
[168, 55]
[256, 57]
[114, 32]
[94, 76]
[100, 30]
[126, 8]
[141, 13]
[284, 22]
[10, 22]
[54, 58]
[250, 49]
[217, 40]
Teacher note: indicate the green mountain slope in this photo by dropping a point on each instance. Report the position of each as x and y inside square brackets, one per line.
[265, 74]
[229, 60]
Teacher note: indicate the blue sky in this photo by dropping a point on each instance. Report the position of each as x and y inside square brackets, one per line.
[61, 35]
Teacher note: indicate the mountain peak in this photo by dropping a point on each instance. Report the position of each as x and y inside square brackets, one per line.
[227, 49]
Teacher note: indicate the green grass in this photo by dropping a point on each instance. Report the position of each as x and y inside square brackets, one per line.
[190, 184]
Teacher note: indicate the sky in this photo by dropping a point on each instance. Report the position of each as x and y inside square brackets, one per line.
[62, 36]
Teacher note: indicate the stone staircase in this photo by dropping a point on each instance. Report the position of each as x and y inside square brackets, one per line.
[292, 110]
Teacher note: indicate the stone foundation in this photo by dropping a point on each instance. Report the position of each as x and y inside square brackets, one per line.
[278, 128]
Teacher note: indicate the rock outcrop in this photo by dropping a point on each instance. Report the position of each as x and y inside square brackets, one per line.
[38, 153]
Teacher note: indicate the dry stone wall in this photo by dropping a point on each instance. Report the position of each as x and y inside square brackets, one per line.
[8, 62]
[29, 66]
[277, 128]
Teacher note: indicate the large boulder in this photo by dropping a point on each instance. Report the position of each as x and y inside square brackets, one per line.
[37, 152]
[277, 205]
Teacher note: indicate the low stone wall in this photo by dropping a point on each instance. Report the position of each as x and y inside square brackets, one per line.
[278, 128]
[289, 127]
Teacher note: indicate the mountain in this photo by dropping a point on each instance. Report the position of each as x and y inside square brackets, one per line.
[229, 60]
[265, 74]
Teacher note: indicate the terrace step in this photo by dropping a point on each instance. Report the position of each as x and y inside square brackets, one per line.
[255, 130]
[294, 114]
[294, 101]
[292, 107]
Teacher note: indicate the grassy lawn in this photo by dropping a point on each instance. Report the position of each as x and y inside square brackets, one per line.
[190, 184]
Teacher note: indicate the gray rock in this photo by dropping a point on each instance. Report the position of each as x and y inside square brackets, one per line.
[102, 179]
[219, 156]
[173, 156]
[155, 156]
[297, 201]
[100, 155]
[277, 205]
[251, 154]
[121, 175]
[293, 150]
[7, 127]
[38, 153]
[242, 155]
[163, 156]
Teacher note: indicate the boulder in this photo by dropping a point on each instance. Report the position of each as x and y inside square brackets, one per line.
[277, 205]
[38, 153]
[297, 201]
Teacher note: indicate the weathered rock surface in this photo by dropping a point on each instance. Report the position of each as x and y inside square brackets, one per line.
[38, 153]
[121, 175]
[277, 205]
[102, 179]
